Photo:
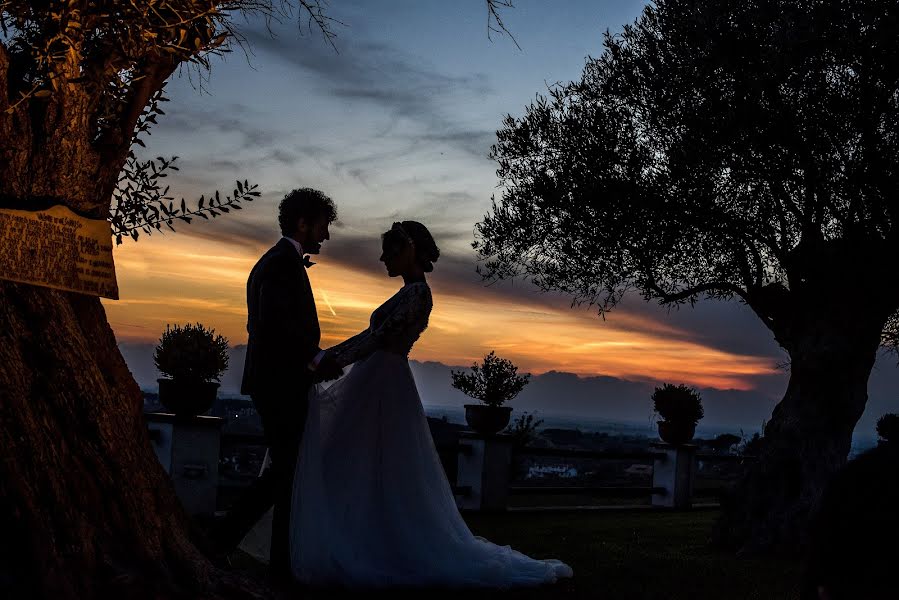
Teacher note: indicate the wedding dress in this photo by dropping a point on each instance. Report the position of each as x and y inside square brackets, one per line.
[372, 506]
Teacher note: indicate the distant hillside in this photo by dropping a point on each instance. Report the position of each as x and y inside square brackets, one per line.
[568, 394]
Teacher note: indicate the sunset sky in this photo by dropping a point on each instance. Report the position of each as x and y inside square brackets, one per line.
[397, 125]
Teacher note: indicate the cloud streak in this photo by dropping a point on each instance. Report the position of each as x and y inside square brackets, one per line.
[385, 78]
[352, 252]
[391, 137]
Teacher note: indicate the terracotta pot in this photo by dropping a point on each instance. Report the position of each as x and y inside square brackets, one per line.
[187, 399]
[676, 433]
[487, 419]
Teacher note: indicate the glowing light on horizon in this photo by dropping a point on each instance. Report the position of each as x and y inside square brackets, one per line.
[158, 286]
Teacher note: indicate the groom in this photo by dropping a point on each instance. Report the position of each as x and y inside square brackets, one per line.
[283, 361]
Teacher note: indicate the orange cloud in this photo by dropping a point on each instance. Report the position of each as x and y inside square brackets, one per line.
[175, 279]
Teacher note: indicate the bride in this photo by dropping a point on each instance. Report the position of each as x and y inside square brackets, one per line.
[372, 506]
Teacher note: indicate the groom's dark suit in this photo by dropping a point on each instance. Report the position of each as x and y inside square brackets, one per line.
[283, 328]
[284, 338]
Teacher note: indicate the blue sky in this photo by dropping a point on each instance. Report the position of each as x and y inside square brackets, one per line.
[397, 121]
[397, 124]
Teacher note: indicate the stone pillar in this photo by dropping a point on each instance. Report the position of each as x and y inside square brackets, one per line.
[188, 449]
[484, 467]
[674, 472]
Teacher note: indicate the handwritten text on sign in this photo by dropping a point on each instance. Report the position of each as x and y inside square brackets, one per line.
[57, 248]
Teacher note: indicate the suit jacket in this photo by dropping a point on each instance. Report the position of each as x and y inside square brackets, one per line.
[283, 328]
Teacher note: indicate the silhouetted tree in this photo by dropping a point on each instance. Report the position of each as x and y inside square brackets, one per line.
[523, 429]
[728, 149]
[85, 508]
[888, 427]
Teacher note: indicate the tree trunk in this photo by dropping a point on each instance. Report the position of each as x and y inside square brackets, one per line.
[86, 510]
[807, 439]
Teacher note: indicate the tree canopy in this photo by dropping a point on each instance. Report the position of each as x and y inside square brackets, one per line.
[721, 148]
[728, 149]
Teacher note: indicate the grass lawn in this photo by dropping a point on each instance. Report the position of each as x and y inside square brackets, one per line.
[627, 554]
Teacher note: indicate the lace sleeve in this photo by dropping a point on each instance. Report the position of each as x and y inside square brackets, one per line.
[344, 352]
[401, 327]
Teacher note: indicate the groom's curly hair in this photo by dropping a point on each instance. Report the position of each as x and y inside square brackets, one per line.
[307, 204]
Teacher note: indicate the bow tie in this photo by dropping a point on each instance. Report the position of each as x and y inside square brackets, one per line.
[306, 262]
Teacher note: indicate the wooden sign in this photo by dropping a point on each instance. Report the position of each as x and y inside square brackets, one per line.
[59, 249]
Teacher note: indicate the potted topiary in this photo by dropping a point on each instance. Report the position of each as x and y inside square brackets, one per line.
[193, 358]
[680, 409]
[494, 382]
[888, 428]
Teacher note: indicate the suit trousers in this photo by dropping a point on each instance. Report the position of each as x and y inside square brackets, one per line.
[283, 421]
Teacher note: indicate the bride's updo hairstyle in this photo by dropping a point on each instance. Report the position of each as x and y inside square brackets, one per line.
[413, 233]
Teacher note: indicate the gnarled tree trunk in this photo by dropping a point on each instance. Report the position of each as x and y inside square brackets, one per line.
[808, 436]
[86, 510]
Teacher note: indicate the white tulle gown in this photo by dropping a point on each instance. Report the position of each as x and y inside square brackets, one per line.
[372, 506]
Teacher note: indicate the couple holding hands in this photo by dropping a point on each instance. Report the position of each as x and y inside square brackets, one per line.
[360, 497]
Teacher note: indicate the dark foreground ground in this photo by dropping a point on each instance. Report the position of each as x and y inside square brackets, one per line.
[619, 555]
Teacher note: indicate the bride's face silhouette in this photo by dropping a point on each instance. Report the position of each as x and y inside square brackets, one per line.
[398, 258]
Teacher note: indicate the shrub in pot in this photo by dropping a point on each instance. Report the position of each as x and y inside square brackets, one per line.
[494, 382]
[193, 359]
[680, 409]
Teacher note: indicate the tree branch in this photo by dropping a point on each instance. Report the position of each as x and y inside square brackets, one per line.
[770, 303]
[317, 15]
[788, 204]
[159, 68]
[744, 265]
[745, 234]
[677, 297]
[759, 265]
[744, 238]
[493, 16]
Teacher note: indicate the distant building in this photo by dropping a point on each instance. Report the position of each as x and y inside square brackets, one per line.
[561, 471]
[639, 469]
